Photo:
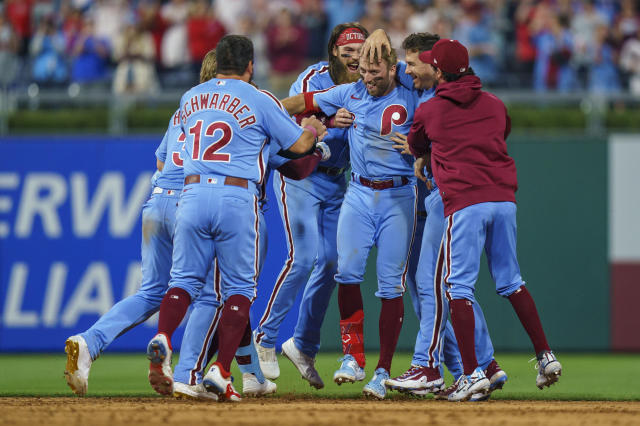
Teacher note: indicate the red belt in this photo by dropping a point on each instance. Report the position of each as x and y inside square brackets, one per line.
[381, 184]
[228, 180]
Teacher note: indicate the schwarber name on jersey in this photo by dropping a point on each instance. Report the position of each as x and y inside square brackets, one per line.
[376, 118]
[171, 153]
[316, 77]
[229, 126]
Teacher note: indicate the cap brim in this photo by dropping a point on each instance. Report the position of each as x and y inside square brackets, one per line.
[426, 57]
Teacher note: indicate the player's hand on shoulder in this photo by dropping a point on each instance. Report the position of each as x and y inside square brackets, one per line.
[374, 43]
[312, 121]
[342, 119]
[401, 143]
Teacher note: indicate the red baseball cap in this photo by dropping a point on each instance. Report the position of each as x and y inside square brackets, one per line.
[447, 55]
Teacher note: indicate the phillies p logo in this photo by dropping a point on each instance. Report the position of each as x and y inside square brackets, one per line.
[393, 114]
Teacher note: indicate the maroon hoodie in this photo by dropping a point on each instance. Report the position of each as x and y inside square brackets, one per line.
[466, 128]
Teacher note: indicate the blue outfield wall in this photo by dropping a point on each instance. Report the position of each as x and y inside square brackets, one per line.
[70, 233]
[70, 243]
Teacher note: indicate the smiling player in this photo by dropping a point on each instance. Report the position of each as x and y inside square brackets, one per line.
[309, 210]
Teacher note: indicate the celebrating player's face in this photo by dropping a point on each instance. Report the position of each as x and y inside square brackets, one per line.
[423, 74]
[349, 56]
[376, 77]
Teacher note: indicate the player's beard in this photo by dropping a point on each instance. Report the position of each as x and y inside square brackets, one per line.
[380, 87]
[339, 72]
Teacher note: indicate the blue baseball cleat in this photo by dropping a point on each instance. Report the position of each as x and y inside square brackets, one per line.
[376, 387]
[349, 371]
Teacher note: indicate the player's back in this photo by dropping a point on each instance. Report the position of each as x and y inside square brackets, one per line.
[171, 153]
[229, 125]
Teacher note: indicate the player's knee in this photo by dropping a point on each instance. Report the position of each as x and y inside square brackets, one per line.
[349, 279]
[390, 291]
[194, 291]
[508, 290]
[455, 292]
[304, 261]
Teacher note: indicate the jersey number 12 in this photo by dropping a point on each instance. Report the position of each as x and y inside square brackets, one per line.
[210, 153]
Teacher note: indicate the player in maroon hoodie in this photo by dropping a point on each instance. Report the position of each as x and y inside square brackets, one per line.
[464, 129]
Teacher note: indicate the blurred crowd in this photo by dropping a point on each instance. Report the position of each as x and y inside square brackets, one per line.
[142, 46]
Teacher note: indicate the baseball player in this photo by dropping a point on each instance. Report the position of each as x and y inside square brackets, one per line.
[435, 337]
[200, 341]
[477, 182]
[309, 209]
[379, 207]
[231, 127]
[157, 244]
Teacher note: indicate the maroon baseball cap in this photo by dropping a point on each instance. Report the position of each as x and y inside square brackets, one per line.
[447, 55]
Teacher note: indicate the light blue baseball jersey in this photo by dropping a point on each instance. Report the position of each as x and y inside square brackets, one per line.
[171, 153]
[316, 77]
[376, 118]
[241, 124]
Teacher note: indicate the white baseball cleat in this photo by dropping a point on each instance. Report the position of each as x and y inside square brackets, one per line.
[549, 370]
[497, 378]
[475, 383]
[304, 363]
[215, 382]
[252, 387]
[78, 364]
[268, 360]
[185, 391]
[349, 371]
[159, 355]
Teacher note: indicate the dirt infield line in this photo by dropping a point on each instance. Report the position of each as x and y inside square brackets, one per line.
[134, 411]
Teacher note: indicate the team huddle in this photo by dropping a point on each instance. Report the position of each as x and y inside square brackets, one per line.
[430, 185]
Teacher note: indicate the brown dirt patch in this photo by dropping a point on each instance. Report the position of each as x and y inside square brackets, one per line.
[134, 411]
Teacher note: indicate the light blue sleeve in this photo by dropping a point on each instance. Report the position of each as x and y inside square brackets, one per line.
[405, 79]
[161, 152]
[333, 99]
[278, 126]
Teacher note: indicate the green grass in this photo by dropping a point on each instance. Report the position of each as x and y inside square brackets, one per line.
[585, 377]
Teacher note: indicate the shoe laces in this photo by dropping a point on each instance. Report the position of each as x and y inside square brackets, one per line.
[461, 382]
[411, 371]
[538, 363]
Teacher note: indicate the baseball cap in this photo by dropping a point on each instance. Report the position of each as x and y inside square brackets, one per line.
[447, 55]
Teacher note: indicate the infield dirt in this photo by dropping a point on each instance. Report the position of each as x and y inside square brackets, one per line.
[134, 411]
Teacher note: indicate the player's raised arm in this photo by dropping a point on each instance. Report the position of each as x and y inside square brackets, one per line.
[301, 103]
[374, 44]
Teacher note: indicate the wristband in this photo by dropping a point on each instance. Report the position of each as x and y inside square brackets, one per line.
[312, 130]
[308, 102]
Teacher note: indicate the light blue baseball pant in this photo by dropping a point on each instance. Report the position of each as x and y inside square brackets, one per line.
[203, 324]
[222, 221]
[436, 333]
[449, 349]
[158, 223]
[386, 218]
[309, 209]
[487, 226]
